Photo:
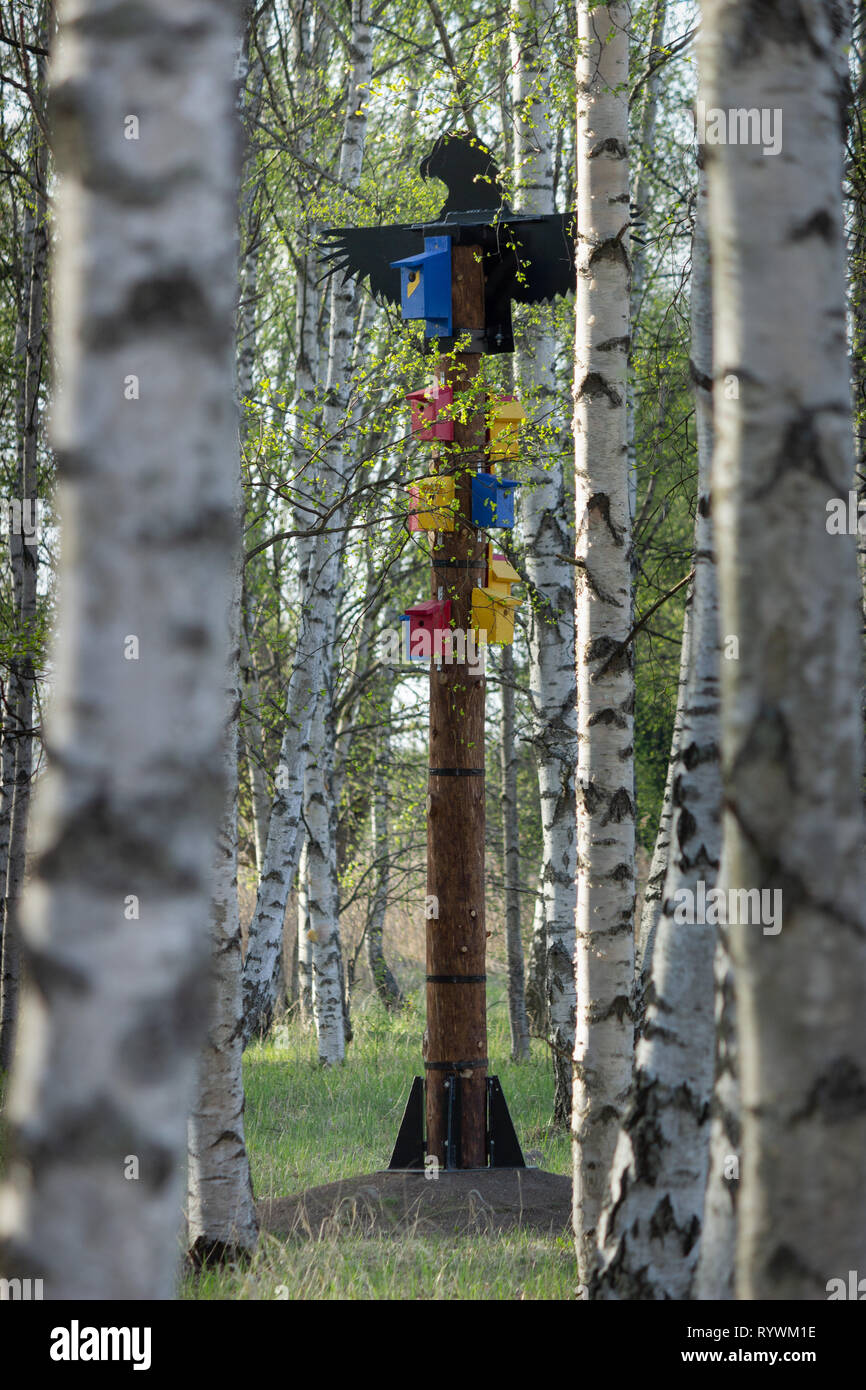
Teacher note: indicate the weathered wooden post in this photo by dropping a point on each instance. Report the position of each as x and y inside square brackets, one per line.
[459, 274]
[456, 1038]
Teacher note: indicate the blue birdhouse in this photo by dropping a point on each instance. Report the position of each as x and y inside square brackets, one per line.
[425, 286]
[493, 501]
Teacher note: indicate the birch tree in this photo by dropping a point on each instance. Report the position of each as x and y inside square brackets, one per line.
[285, 841]
[651, 1224]
[115, 917]
[221, 1214]
[605, 710]
[792, 733]
[265, 938]
[323, 591]
[550, 577]
[654, 894]
[385, 984]
[714, 1276]
[517, 1019]
[24, 546]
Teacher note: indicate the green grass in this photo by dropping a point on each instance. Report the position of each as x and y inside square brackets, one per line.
[515, 1266]
[307, 1125]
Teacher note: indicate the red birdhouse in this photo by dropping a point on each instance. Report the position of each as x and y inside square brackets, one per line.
[423, 621]
[427, 422]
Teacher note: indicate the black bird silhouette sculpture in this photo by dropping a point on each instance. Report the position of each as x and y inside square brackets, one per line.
[527, 259]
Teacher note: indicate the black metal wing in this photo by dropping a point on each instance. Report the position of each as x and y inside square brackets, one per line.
[545, 258]
[366, 253]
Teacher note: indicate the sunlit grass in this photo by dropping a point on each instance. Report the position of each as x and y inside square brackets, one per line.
[514, 1266]
[307, 1125]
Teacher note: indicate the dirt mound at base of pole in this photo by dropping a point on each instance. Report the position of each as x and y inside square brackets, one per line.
[401, 1204]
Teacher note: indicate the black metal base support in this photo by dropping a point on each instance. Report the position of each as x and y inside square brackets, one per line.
[503, 1147]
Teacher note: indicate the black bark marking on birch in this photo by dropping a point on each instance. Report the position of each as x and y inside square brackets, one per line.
[757, 24]
[600, 592]
[621, 873]
[663, 1223]
[594, 386]
[624, 1186]
[99, 1134]
[641, 1124]
[820, 224]
[174, 301]
[619, 1008]
[611, 249]
[730, 1119]
[51, 975]
[147, 1050]
[838, 1094]
[686, 823]
[768, 742]
[621, 807]
[774, 873]
[699, 378]
[98, 850]
[655, 1030]
[612, 344]
[608, 716]
[652, 998]
[628, 1283]
[611, 146]
[800, 449]
[601, 647]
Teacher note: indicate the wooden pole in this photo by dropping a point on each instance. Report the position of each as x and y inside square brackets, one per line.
[457, 939]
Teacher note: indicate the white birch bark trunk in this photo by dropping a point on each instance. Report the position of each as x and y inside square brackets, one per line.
[221, 1215]
[536, 985]
[517, 1019]
[714, 1276]
[323, 594]
[305, 945]
[283, 845]
[605, 817]
[250, 225]
[25, 562]
[654, 896]
[385, 984]
[265, 938]
[792, 734]
[128, 813]
[650, 1229]
[254, 746]
[550, 578]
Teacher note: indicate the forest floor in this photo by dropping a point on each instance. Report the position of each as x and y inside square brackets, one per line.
[321, 1138]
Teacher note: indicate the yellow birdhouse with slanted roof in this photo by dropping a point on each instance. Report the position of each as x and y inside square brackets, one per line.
[503, 433]
[500, 574]
[431, 508]
[493, 608]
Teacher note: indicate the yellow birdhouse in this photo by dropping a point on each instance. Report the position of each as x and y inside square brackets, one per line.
[493, 616]
[431, 506]
[493, 608]
[503, 433]
[500, 574]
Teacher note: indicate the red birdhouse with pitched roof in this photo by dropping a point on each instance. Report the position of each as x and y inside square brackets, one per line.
[421, 623]
[427, 420]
